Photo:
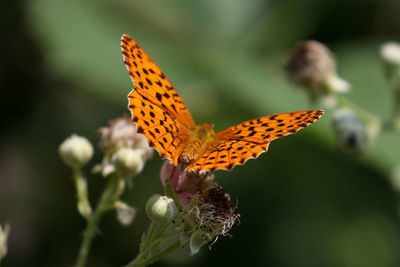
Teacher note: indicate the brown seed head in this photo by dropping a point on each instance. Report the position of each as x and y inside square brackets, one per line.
[309, 64]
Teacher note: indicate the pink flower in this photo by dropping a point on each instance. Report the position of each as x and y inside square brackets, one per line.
[185, 184]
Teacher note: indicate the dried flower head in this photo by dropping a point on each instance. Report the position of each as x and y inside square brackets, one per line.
[311, 65]
[206, 209]
[212, 212]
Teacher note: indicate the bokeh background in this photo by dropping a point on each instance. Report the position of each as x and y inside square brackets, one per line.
[304, 203]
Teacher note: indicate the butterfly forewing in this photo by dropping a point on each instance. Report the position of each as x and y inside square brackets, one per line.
[163, 133]
[156, 106]
[247, 140]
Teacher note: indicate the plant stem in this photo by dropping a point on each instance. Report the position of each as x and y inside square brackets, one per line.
[154, 238]
[396, 109]
[111, 193]
[84, 207]
[362, 113]
[164, 252]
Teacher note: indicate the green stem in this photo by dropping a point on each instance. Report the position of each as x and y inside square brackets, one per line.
[396, 109]
[164, 252]
[362, 113]
[137, 262]
[161, 231]
[84, 207]
[152, 229]
[141, 260]
[151, 243]
[107, 198]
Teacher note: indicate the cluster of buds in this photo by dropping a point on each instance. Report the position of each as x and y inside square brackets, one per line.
[125, 150]
[125, 154]
[312, 66]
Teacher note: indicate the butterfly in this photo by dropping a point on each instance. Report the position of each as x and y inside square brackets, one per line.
[161, 116]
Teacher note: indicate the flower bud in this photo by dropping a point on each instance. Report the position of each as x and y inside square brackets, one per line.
[311, 65]
[125, 213]
[351, 134]
[161, 209]
[122, 133]
[390, 54]
[128, 162]
[75, 151]
[4, 232]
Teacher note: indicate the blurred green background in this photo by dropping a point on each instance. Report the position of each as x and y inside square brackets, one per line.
[303, 203]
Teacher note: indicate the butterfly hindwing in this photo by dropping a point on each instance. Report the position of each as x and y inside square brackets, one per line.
[228, 154]
[248, 140]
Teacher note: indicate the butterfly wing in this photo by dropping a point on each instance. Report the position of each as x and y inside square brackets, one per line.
[155, 105]
[248, 140]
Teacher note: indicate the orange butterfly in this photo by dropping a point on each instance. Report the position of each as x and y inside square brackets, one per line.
[163, 118]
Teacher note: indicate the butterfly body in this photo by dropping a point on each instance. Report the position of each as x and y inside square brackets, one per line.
[161, 116]
[202, 139]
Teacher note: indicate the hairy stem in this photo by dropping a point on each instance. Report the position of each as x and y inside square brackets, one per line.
[111, 193]
[154, 239]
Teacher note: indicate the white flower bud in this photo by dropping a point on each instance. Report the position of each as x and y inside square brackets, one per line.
[4, 232]
[161, 209]
[337, 84]
[350, 132]
[125, 213]
[128, 162]
[76, 151]
[390, 53]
